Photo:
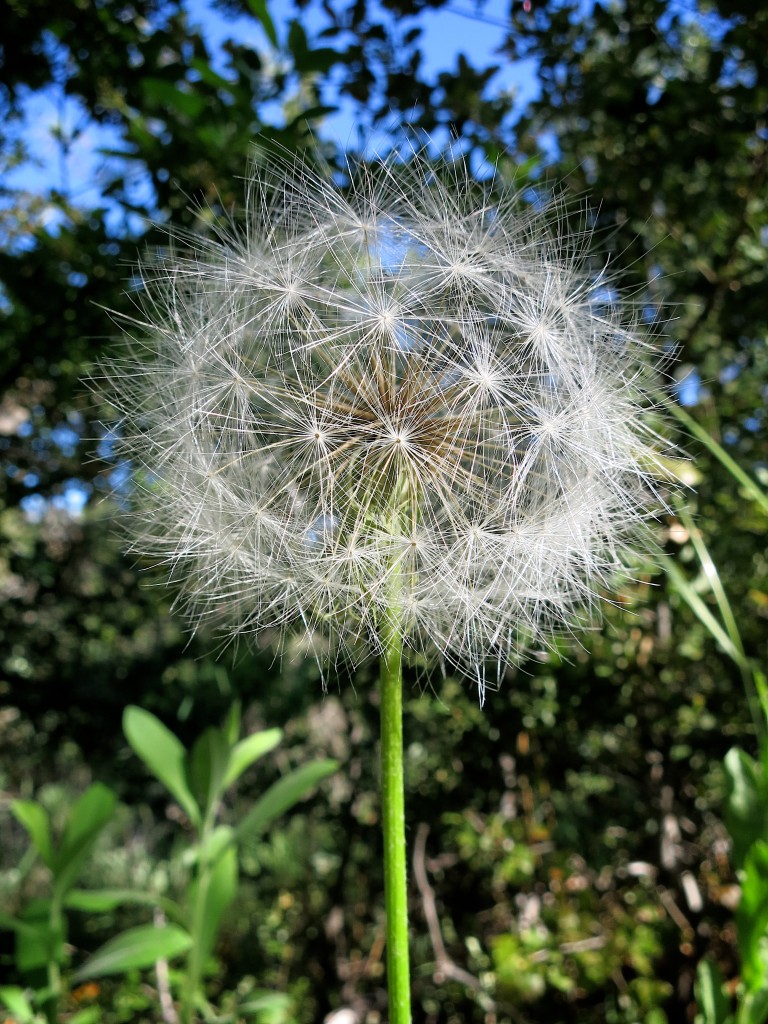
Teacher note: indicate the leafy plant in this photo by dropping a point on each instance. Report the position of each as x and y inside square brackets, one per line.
[746, 809]
[40, 927]
[198, 779]
[747, 821]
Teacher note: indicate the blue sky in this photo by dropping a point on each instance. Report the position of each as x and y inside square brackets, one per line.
[83, 169]
[79, 171]
[456, 28]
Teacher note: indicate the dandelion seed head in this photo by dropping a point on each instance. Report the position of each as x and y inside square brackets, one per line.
[411, 381]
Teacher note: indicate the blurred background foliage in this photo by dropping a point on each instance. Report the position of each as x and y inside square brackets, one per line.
[569, 861]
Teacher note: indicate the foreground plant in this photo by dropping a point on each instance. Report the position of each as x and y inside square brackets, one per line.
[746, 816]
[408, 420]
[198, 779]
[41, 952]
[184, 930]
[746, 804]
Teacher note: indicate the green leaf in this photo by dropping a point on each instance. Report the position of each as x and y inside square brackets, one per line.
[102, 901]
[219, 840]
[206, 766]
[88, 1015]
[39, 944]
[750, 486]
[168, 96]
[248, 751]
[259, 9]
[282, 795]
[297, 44]
[752, 919]
[35, 820]
[310, 114]
[754, 1008]
[714, 1006]
[140, 133]
[15, 1000]
[712, 577]
[162, 753]
[688, 593]
[319, 59]
[87, 818]
[221, 891]
[137, 948]
[746, 809]
[232, 726]
[15, 924]
[211, 77]
[268, 1007]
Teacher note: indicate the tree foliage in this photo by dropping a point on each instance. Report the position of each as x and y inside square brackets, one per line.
[569, 834]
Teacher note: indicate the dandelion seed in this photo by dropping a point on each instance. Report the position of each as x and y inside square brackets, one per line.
[406, 362]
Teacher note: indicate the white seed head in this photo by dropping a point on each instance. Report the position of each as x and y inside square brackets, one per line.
[409, 387]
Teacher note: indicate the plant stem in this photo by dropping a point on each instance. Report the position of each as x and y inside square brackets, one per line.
[193, 993]
[56, 936]
[393, 815]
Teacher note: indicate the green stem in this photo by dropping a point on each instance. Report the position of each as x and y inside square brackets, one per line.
[56, 934]
[193, 994]
[751, 487]
[393, 815]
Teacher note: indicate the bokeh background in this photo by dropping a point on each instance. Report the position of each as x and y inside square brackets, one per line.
[569, 860]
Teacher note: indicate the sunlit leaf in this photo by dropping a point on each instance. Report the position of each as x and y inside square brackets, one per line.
[259, 8]
[248, 751]
[15, 999]
[752, 918]
[220, 893]
[162, 753]
[101, 901]
[35, 820]
[87, 818]
[206, 766]
[137, 948]
[282, 795]
[746, 809]
[41, 943]
[714, 1006]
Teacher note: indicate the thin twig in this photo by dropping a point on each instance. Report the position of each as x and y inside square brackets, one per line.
[167, 1009]
[674, 911]
[444, 965]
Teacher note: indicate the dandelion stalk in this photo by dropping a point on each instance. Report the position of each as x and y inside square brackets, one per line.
[393, 826]
[393, 799]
